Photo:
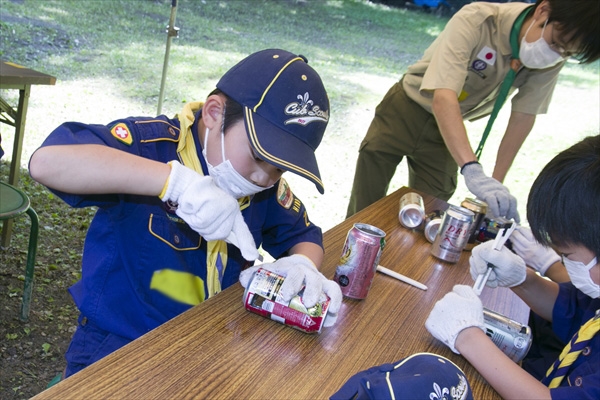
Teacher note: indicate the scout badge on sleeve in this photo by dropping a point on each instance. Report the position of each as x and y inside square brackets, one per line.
[420, 376]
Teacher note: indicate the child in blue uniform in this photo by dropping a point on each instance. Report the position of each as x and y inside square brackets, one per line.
[563, 210]
[184, 203]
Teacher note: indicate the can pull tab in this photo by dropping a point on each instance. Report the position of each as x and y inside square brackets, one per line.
[503, 234]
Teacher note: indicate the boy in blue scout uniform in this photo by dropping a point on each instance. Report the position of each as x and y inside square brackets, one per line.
[184, 203]
[459, 78]
[563, 210]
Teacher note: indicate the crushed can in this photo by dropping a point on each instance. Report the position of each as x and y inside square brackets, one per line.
[433, 221]
[262, 297]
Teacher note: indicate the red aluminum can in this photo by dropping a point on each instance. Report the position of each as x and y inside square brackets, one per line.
[263, 297]
[359, 260]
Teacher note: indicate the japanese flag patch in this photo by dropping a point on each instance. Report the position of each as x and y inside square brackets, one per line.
[488, 55]
[121, 132]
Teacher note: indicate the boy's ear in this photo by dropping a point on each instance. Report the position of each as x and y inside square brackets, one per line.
[542, 11]
[212, 111]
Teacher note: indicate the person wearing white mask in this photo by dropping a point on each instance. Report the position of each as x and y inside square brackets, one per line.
[563, 211]
[185, 202]
[486, 50]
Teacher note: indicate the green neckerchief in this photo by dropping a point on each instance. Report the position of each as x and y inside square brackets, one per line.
[515, 64]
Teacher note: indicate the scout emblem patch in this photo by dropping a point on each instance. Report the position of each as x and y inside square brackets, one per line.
[285, 197]
[121, 132]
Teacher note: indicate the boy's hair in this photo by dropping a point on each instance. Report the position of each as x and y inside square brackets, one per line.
[579, 17]
[234, 112]
[564, 202]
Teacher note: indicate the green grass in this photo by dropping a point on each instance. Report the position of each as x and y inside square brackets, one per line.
[108, 57]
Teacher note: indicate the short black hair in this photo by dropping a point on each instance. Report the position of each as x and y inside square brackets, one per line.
[579, 17]
[563, 207]
[234, 111]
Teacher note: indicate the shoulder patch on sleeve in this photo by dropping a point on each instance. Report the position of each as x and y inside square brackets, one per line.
[285, 197]
[121, 132]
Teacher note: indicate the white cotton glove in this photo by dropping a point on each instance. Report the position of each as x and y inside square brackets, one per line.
[508, 268]
[500, 202]
[535, 255]
[457, 310]
[299, 271]
[208, 210]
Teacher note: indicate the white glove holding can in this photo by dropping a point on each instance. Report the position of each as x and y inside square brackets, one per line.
[300, 271]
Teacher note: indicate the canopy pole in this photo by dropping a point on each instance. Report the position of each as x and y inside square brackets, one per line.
[172, 31]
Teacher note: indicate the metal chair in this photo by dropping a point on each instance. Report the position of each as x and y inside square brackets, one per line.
[13, 203]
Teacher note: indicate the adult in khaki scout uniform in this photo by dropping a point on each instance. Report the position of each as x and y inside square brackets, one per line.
[421, 117]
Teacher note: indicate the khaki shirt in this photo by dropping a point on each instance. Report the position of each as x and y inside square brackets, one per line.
[472, 56]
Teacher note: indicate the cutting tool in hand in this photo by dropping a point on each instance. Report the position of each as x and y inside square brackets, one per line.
[502, 236]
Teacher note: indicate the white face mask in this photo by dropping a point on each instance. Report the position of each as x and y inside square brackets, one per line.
[538, 54]
[226, 177]
[580, 276]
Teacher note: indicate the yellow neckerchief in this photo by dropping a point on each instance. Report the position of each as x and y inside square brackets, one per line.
[186, 149]
[567, 357]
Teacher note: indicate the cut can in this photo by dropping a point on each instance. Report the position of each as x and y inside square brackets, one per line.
[262, 297]
[513, 338]
[453, 234]
[359, 260]
[412, 210]
[433, 221]
[490, 227]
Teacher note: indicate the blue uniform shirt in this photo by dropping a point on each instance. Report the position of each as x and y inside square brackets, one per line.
[571, 310]
[133, 240]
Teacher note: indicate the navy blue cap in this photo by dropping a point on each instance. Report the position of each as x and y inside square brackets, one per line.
[286, 109]
[420, 376]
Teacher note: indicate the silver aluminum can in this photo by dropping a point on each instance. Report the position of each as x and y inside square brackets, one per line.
[453, 234]
[412, 210]
[513, 338]
[359, 260]
[479, 208]
[433, 221]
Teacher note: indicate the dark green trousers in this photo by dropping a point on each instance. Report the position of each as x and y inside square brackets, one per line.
[401, 128]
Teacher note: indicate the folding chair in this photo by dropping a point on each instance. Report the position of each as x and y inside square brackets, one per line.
[13, 203]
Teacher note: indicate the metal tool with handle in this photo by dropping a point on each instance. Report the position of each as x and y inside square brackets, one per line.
[503, 234]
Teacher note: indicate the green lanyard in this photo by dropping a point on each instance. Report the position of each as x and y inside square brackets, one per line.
[508, 79]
